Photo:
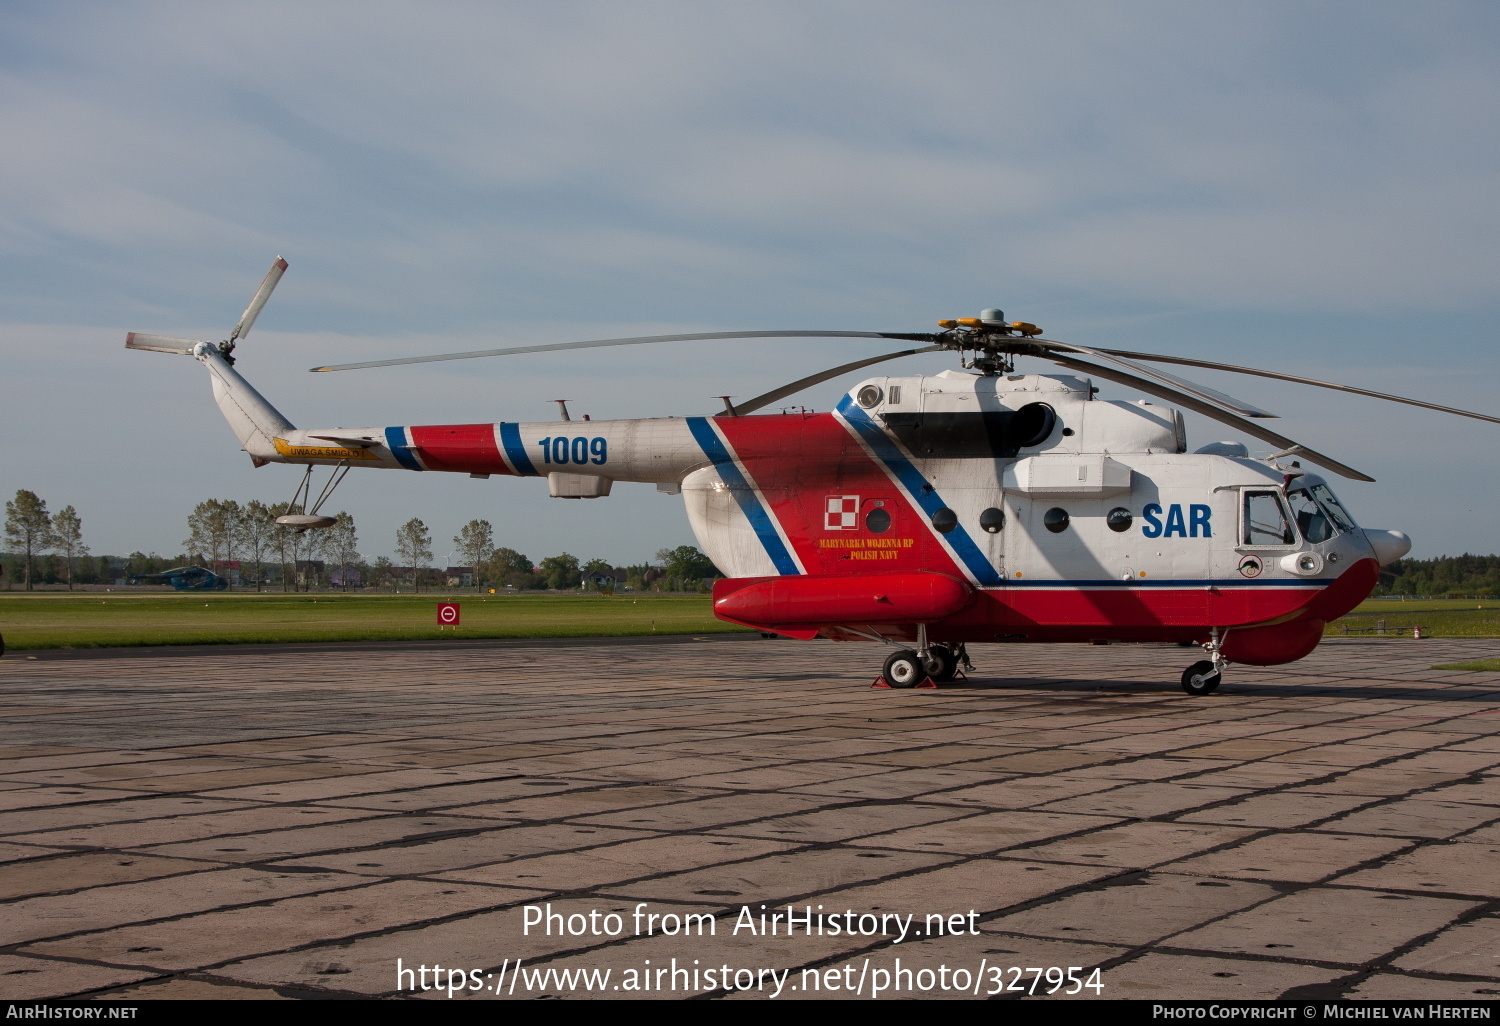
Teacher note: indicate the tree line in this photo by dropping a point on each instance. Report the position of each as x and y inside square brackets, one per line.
[242, 540]
[1446, 575]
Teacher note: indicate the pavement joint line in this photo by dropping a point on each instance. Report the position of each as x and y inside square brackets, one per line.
[1406, 723]
[340, 940]
[15, 946]
[885, 943]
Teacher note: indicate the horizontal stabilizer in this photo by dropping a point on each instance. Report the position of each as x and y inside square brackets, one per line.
[360, 443]
[160, 343]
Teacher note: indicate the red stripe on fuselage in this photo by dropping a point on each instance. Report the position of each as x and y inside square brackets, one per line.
[798, 461]
[1022, 608]
[1150, 614]
[461, 448]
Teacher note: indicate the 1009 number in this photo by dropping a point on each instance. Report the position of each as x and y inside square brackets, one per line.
[562, 451]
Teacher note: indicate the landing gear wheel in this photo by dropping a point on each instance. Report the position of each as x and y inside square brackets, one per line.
[1201, 678]
[903, 669]
[941, 664]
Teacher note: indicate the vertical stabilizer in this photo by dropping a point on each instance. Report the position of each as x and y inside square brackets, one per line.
[255, 422]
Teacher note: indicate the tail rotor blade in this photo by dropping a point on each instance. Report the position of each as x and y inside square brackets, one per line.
[160, 343]
[267, 286]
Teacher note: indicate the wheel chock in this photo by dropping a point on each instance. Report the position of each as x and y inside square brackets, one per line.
[926, 684]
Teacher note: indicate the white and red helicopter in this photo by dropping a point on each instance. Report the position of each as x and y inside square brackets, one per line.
[928, 512]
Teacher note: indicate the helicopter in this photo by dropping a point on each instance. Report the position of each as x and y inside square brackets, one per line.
[929, 512]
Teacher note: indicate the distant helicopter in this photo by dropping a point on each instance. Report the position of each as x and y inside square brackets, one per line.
[928, 512]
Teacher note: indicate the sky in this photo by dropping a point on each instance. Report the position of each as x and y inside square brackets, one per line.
[1312, 188]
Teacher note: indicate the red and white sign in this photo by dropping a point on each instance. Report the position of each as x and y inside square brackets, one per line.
[841, 513]
[448, 614]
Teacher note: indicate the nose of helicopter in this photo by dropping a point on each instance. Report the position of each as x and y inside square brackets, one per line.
[1389, 546]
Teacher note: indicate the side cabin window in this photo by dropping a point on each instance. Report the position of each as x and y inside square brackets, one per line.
[1311, 520]
[1265, 521]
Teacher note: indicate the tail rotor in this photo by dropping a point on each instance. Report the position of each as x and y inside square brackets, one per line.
[185, 346]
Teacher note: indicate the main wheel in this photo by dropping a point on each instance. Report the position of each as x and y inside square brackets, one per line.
[903, 669]
[941, 663]
[1201, 678]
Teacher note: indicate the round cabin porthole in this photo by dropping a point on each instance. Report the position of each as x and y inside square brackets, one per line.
[944, 520]
[992, 520]
[1119, 519]
[1055, 520]
[877, 521]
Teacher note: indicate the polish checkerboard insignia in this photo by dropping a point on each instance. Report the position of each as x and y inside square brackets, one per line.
[841, 513]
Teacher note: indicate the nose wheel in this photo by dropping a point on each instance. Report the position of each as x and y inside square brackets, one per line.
[1201, 678]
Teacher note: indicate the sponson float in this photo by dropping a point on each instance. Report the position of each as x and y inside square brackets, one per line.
[975, 505]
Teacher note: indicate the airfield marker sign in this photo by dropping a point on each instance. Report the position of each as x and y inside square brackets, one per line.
[447, 614]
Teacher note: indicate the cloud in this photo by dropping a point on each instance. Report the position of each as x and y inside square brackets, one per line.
[445, 176]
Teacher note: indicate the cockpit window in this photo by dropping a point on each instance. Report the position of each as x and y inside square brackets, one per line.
[1265, 521]
[1333, 507]
[1311, 520]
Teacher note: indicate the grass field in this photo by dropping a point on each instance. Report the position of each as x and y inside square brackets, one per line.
[1438, 618]
[96, 619]
[1483, 665]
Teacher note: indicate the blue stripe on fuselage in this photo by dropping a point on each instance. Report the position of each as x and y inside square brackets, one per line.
[714, 448]
[510, 437]
[919, 488]
[395, 440]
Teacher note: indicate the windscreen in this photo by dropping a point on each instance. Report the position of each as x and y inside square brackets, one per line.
[1333, 507]
[1311, 520]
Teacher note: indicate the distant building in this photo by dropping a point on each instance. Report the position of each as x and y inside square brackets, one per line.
[459, 576]
[606, 580]
[309, 571]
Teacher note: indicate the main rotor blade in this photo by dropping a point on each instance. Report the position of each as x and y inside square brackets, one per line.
[1208, 410]
[766, 399]
[1214, 396]
[641, 340]
[1234, 369]
[267, 286]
